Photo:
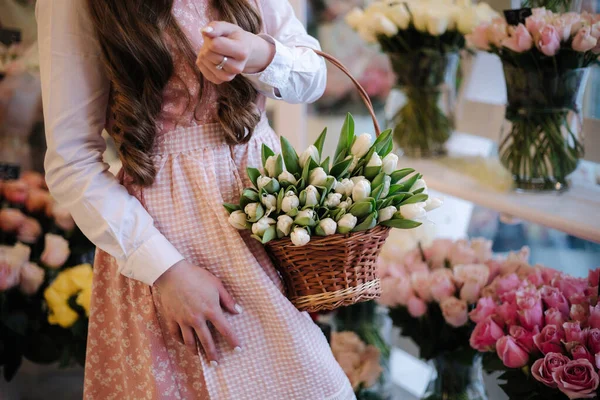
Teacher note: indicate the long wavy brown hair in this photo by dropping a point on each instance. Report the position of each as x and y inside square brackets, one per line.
[133, 36]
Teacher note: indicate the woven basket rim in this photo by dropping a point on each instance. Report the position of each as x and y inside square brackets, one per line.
[325, 239]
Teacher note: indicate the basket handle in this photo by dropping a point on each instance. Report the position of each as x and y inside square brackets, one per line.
[361, 91]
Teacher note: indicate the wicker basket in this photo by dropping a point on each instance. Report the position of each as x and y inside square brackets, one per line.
[333, 271]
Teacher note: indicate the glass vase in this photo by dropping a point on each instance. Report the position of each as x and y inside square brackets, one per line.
[421, 109]
[542, 135]
[456, 379]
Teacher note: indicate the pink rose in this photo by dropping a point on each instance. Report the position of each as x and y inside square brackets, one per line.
[593, 340]
[579, 351]
[12, 260]
[461, 253]
[420, 284]
[470, 291]
[63, 218]
[412, 257]
[577, 379]
[485, 308]
[29, 231]
[33, 179]
[531, 313]
[584, 41]
[417, 267]
[11, 219]
[536, 277]
[479, 38]
[548, 42]
[56, 251]
[553, 298]
[485, 335]
[524, 337]
[32, 278]
[549, 274]
[511, 354]
[437, 253]
[549, 339]
[494, 266]
[441, 284]
[454, 311]
[506, 313]
[573, 333]
[477, 272]
[496, 33]
[594, 319]
[37, 200]
[570, 285]
[482, 248]
[543, 368]
[534, 25]
[553, 317]
[574, 19]
[563, 27]
[519, 41]
[592, 295]
[579, 298]
[579, 313]
[594, 277]
[507, 284]
[416, 307]
[15, 191]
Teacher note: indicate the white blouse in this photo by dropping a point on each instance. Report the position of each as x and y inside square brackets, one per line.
[75, 93]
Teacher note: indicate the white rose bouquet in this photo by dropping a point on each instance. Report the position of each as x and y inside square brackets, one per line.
[422, 39]
[300, 196]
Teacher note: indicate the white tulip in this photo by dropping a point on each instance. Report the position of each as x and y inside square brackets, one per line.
[355, 17]
[464, 3]
[485, 13]
[317, 177]
[333, 200]
[289, 202]
[361, 146]
[467, 20]
[311, 196]
[399, 15]
[419, 184]
[284, 224]
[344, 187]
[413, 211]
[259, 227]
[375, 161]
[237, 219]
[345, 204]
[387, 213]
[390, 163]
[367, 33]
[432, 203]
[271, 165]
[353, 164]
[251, 210]
[269, 201]
[263, 181]
[347, 223]
[419, 13]
[437, 21]
[328, 226]
[286, 176]
[361, 190]
[356, 179]
[300, 236]
[311, 152]
[308, 213]
[387, 182]
[383, 26]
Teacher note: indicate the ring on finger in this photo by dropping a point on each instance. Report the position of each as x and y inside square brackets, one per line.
[222, 64]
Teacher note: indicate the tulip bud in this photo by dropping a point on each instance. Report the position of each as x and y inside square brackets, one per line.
[290, 201]
[361, 146]
[419, 184]
[310, 196]
[346, 203]
[286, 176]
[269, 201]
[271, 166]
[311, 152]
[387, 181]
[375, 161]
[355, 17]
[390, 163]
[263, 181]
[317, 177]
[326, 227]
[259, 227]
[306, 218]
[361, 190]
[413, 211]
[387, 213]
[437, 21]
[347, 223]
[344, 187]
[333, 200]
[300, 236]
[383, 26]
[237, 219]
[284, 225]
[254, 211]
[399, 15]
[432, 203]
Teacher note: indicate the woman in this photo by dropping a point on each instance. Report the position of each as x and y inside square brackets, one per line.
[197, 311]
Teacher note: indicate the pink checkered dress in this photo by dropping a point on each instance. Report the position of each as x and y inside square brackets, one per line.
[130, 352]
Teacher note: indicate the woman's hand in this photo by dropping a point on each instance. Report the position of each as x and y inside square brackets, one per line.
[190, 298]
[245, 52]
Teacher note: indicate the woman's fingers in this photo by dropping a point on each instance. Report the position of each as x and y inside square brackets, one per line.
[219, 28]
[224, 328]
[175, 331]
[232, 66]
[206, 339]
[188, 336]
[228, 47]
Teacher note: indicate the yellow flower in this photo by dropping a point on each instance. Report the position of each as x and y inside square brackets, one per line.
[76, 281]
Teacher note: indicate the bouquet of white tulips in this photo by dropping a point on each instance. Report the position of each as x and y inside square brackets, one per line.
[299, 196]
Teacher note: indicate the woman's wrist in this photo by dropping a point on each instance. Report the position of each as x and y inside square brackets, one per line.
[261, 56]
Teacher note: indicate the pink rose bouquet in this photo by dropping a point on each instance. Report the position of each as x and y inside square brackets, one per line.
[542, 328]
[545, 57]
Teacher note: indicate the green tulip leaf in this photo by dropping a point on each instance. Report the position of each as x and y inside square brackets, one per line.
[256, 237]
[338, 214]
[325, 165]
[249, 196]
[290, 157]
[341, 168]
[279, 165]
[376, 193]
[417, 198]
[269, 234]
[394, 189]
[361, 209]
[368, 223]
[320, 142]
[346, 137]
[260, 212]
[388, 149]
[273, 186]
[306, 170]
[401, 223]
[378, 180]
[266, 153]
[231, 207]
[400, 174]
[293, 212]
[406, 185]
[398, 198]
[253, 174]
[382, 142]
[372, 172]
[280, 197]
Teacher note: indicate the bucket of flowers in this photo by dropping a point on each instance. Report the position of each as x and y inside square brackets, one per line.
[324, 220]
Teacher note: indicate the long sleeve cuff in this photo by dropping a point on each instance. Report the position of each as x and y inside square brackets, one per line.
[277, 73]
[152, 259]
